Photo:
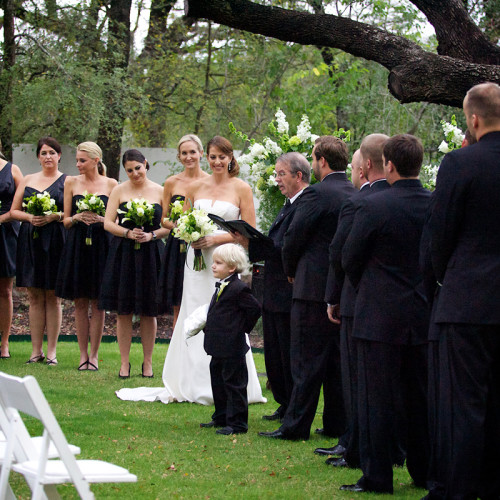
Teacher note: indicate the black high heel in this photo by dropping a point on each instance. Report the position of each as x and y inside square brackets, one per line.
[124, 376]
[146, 376]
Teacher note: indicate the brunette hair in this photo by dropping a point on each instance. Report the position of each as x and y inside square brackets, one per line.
[94, 151]
[406, 153]
[227, 148]
[48, 141]
[134, 155]
[333, 150]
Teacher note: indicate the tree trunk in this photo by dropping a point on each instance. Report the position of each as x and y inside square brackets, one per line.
[415, 75]
[118, 52]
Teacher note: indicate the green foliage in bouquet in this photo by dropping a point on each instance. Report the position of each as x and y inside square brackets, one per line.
[39, 204]
[140, 212]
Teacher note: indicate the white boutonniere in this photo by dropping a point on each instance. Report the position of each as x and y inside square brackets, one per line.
[222, 286]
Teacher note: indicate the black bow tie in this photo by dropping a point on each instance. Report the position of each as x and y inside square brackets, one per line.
[217, 284]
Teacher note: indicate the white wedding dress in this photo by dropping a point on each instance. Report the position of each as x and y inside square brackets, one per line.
[186, 373]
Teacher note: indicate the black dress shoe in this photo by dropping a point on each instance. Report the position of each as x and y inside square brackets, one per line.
[356, 488]
[227, 431]
[278, 434]
[212, 423]
[338, 449]
[337, 462]
[275, 416]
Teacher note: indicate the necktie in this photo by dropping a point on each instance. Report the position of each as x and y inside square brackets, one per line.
[214, 296]
[288, 203]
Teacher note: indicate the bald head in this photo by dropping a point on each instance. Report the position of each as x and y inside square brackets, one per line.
[358, 179]
[371, 148]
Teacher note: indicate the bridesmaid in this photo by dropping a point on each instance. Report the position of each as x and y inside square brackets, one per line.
[82, 265]
[189, 153]
[38, 257]
[10, 178]
[130, 283]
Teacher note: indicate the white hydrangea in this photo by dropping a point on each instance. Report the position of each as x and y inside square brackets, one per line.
[304, 129]
[257, 151]
[272, 181]
[443, 147]
[272, 147]
[282, 123]
[245, 160]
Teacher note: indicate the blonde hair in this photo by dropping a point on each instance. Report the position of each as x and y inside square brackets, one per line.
[190, 137]
[94, 151]
[233, 255]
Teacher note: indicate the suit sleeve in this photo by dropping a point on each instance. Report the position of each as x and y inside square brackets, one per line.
[336, 272]
[306, 222]
[446, 215]
[357, 248]
[251, 306]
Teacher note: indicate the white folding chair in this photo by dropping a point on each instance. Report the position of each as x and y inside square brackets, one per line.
[25, 396]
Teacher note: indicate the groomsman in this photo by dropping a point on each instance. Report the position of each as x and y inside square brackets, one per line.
[293, 173]
[314, 347]
[465, 253]
[381, 260]
[341, 296]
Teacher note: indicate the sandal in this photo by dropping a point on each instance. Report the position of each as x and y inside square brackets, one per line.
[5, 357]
[124, 376]
[36, 359]
[52, 361]
[81, 367]
[94, 367]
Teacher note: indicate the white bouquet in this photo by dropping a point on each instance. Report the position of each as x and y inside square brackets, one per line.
[140, 212]
[39, 204]
[90, 203]
[191, 226]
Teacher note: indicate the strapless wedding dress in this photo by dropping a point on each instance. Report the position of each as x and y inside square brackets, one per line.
[186, 373]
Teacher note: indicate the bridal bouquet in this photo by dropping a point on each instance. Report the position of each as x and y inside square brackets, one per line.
[39, 204]
[140, 212]
[191, 226]
[90, 203]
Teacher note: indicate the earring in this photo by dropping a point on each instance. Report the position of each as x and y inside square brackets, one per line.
[230, 166]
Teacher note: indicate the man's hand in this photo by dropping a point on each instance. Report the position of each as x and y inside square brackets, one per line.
[240, 239]
[333, 313]
[290, 279]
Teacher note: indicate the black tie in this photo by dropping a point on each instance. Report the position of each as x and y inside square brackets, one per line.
[288, 203]
[214, 296]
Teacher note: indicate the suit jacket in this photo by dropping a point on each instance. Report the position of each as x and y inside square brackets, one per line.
[381, 259]
[277, 291]
[305, 245]
[465, 234]
[339, 289]
[231, 316]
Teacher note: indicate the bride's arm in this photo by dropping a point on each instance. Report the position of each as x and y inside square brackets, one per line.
[247, 209]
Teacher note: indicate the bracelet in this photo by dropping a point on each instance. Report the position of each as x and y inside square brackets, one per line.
[125, 233]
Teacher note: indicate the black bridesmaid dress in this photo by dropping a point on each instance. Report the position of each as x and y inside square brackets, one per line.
[82, 265]
[130, 283]
[172, 270]
[38, 257]
[8, 230]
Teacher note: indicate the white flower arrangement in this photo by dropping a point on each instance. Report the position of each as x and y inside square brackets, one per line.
[39, 204]
[140, 212]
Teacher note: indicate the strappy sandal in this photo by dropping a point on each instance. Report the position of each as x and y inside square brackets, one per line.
[52, 362]
[81, 367]
[94, 367]
[36, 359]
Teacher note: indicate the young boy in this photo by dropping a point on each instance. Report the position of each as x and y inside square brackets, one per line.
[233, 311]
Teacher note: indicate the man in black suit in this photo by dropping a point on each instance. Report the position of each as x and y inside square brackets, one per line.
[465, 253]
[381, 260]
[341, 296]
[293, 173]
[314, 350]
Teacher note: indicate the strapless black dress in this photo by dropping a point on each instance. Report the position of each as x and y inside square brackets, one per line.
[38, 258]
[82, 266]
[172, 270]
[8, 230]
[130, 283]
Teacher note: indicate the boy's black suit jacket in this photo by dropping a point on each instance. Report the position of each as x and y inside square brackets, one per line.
[231, 316]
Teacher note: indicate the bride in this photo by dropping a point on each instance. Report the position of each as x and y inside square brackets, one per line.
[186, 371]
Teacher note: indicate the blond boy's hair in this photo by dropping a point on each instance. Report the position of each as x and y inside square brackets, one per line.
[233, 255]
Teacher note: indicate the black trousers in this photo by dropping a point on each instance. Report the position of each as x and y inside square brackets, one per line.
[276, 326]
[392, 408]
[468, 412]
[315, 361]
[229, 378]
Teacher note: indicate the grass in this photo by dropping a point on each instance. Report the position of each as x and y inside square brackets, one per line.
[164, 445]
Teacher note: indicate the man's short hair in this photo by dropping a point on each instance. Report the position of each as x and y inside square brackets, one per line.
[233, 255]
[333, 150]
[297, 163]
[372, 147]
[484, 100]
[406, 152]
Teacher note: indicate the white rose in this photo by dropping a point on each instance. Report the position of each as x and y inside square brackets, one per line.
[140, 211]
[195, 235]
[443, 147]
[93, 200]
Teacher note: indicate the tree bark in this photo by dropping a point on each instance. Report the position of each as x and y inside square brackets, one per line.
[415, 75]
[118, 52]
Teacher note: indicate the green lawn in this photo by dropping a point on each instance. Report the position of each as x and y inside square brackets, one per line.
[164, 445]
